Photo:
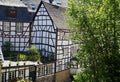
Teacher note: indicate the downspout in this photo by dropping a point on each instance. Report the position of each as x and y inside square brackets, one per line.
[31, 25]
[55, 54]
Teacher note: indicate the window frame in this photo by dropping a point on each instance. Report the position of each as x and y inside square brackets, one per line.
[12, 13]
[19, 27]
[6, 26]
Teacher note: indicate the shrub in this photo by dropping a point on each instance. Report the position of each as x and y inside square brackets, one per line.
[24, 80]
[6, 49]
[19, 79]
[33, 54]
[22, 57]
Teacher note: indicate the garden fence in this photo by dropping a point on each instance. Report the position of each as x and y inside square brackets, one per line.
[31, 72]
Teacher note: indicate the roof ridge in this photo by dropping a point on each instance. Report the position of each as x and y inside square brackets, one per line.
[16, 3]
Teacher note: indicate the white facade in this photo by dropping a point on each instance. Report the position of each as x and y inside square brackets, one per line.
[18, 36]
[43, 32]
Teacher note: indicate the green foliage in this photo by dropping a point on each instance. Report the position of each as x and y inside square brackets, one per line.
[24, 80]
[22, 57]
[20, 80]
[33, 54]
[6, 49]
[96, 25]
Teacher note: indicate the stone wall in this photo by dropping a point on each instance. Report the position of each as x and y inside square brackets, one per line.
[46, 79]
[63, 76]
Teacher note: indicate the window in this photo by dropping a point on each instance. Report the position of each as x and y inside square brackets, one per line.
[59, 65]
[50, 1]
[49, 69]
[6, 26]
[74, 64]
[19, 27]
[58, 1]
[33, 6]
[65, 51]
[6, 39]
[60, 35]
[12, 13]
[66, 64]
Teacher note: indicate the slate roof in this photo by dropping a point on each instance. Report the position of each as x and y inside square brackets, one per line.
[57, 2]
[57, 13]
[23, 14]
[29, 2]
[16, 3]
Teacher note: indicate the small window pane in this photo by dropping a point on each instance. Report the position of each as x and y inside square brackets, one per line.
[6, 40]
[19, 27]
[6, 26]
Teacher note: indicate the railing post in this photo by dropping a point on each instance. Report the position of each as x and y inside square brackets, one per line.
[32, 73]
[35, 78]
[54, 71]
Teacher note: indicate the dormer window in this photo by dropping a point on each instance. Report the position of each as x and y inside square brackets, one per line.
[33, 6]
[12, 13]
[50, 1]
[59, 2]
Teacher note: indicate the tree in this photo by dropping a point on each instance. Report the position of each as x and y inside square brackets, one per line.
[96, 26]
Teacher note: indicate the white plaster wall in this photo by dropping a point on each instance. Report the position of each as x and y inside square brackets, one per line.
[42, 29]
[15, 38]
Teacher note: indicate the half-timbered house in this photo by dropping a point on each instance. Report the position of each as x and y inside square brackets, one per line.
[51, 35]
[45, 28]
[15, 24]
[24, 24]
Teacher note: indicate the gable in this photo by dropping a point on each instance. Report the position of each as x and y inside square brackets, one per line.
[44, 31]
[43, 16]
[56, 14]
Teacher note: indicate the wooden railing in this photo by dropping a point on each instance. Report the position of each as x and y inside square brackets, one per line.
[31, 72]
